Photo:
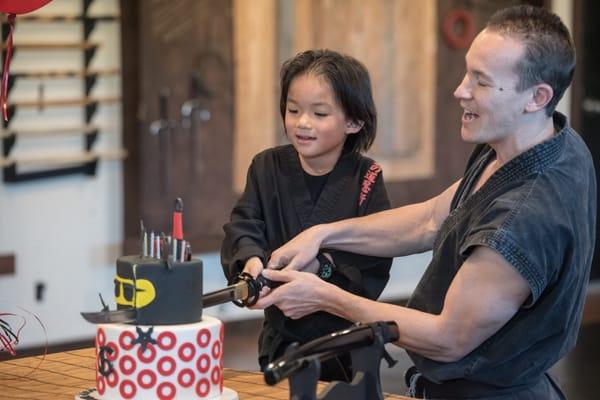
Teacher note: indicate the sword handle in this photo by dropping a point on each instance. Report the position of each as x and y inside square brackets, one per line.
[254, 288]
[261, 282]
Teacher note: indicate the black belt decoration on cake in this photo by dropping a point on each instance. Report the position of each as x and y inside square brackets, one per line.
[365, 342]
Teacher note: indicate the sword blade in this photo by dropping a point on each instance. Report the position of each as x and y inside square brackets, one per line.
[111, 317]
[238, 291]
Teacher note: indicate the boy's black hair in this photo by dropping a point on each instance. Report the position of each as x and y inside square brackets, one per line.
[549, 55]
[351, 86]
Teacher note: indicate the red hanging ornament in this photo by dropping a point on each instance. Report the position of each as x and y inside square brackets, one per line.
[12, 8]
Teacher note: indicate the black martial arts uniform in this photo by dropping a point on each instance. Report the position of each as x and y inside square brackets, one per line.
[538, 211]
[276, 206]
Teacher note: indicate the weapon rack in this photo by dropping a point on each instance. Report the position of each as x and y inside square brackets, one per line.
[54, 163]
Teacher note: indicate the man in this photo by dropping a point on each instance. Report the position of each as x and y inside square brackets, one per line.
[512, 241]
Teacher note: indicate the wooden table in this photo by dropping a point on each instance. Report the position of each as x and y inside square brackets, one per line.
[63, 375]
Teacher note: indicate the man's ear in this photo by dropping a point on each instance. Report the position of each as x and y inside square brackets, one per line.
[354, 126]
[541, 96]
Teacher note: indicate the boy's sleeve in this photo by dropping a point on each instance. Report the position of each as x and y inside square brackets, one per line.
[364, 275]
[245, 232]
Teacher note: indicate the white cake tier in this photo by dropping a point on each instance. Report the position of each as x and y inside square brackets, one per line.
[179, 361]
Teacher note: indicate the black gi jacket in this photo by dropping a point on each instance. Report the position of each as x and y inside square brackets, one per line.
[538, 211]
[276, 206]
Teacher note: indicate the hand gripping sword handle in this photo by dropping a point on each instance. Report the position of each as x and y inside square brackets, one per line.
[254, 288]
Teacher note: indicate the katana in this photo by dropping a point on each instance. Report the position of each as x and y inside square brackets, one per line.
[244, 293]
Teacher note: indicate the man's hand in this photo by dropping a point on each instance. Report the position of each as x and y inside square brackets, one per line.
[298, 252]
[299, 296]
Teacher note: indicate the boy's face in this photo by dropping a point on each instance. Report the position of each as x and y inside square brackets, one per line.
[315, 123]
[493, 107]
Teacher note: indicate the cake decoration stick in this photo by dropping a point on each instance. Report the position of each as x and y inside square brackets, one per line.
[152, 244]
[164, 243]
[178, 219]
[177, 231]
[143, 238]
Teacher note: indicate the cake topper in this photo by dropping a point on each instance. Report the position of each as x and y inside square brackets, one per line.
[162, 285]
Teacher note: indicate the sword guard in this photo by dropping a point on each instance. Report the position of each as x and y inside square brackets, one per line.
[252, 293]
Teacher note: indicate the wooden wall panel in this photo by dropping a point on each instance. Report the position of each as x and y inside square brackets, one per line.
[450, 152]
[256, 83]
[184, 53]
[394, 38]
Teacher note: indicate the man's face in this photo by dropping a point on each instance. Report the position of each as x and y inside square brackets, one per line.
[493, 108]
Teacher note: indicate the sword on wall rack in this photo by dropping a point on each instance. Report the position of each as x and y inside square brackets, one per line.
[86, 101]
[64, 159]
[68, 18]
[65, 73]
[54, 45]
[53, 131]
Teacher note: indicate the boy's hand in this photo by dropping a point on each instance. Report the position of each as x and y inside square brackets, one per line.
[254, 266]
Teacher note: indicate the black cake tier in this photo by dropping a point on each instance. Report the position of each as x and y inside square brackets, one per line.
[161, 294]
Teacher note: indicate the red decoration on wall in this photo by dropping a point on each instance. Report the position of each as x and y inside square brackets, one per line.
[458, 28]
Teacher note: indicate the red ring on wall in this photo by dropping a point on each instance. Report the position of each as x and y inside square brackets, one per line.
[463, 39]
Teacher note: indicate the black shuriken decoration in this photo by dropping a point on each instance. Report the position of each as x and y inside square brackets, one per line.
[144, 337]
[86, 394]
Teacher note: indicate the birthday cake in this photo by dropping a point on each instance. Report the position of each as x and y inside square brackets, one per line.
[165, 349]
[157, 344]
